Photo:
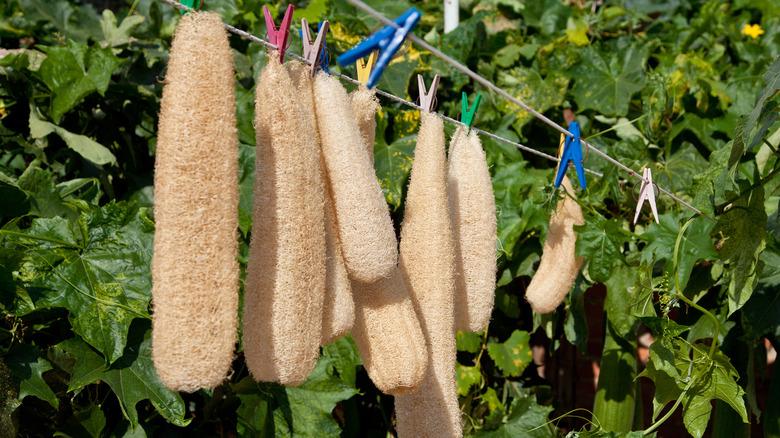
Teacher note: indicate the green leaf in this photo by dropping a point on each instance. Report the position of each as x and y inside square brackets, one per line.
[664, 327]
[772, 85]
[87, 423]
[84, 146]
[392, 162]
[613, 408]
[102, 278]
[132, 377]
[528, 86]
[605, 80]
[466, 377]
[710, 186]
[697, 380]
[696, 245]
[513, 188]
[345, 357]
[575, 326]
[577, 32]
[600, 241]
[117, 35]
[743, 227]
[75, 71]
[526, 418]
[507, 55]
[27, 365]
[45, 199]
[468, 341]
[512, 356]
[617, 301]
[640, 301]
[304, 411]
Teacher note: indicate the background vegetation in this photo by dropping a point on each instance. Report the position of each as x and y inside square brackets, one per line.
[673, 85]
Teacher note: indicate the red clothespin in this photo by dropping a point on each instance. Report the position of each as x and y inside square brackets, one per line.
[311, 51]
[427, 98]
[278, 36]
[646, 193]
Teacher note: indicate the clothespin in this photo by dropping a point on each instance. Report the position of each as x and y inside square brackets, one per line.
[194, 4]
[572, 151]
[646, 193]
[314, 53]
[427, 97]
[364, 68]
[466, 114]
[278, 35]
[387, 40]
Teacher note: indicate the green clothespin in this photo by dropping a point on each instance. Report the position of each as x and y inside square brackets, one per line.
[466, 114]
[194, 4]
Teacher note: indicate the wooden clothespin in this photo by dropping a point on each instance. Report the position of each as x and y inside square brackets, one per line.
[466, 114]
[313, 52]
[646, 193]
[572, 151]
[364, 67]
[427, 98]
[194, 4]
[278, 36]
[387, 40]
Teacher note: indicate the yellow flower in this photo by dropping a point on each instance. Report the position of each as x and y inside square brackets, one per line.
[752, 30]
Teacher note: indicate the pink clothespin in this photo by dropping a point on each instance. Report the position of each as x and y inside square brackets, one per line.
[427, 98]
[278, 36]
[311, 51]
[646, 193]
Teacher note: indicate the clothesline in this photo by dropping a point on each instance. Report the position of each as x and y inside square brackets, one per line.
[474, 76]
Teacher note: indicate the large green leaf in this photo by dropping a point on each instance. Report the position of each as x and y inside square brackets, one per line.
[600, 240]
[696, 245]
[605, 80]
[118, 35]
[743, 226]
[101, 275]
[83, 145]
[466, 377]
[27, 365]
[269, 409]
[575, 326]
[528, 86]
[709, 187]
[526, 418]
[771, 86]
[761, 314]
[45, 199]
[512, 356]
[15, 201]
[89, 422]
[132, 377]
[697, 380]
[74, 71]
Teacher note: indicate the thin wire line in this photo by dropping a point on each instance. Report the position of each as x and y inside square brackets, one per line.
[390, 96]
[364, 7]
[474, 76]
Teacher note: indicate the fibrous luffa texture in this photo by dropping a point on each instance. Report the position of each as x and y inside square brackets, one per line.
[338, 312]
[365, 228]
[285, 283]
[559, 265]
[194, 267]
[427, 259]
[365, 105]
[388, 335]
[473, 213]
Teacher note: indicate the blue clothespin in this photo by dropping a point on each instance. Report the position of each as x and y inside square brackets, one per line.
[572, 151]
[317, 48]
[466, 114]
[194, 4]
[387, 40]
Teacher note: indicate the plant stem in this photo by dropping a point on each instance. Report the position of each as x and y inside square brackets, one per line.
[685, 299]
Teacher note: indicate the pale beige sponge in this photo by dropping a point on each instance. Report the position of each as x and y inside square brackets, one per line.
[194, 267]
[473, 213]
[559, 266]
[388, 335]
[427, 260]
[338, 312]
[366, 232]
[286, 272]
[366, 105]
